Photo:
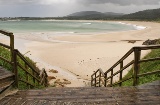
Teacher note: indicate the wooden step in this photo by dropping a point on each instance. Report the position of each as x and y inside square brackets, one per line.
[140, 95]
[6, 81]
[5, 85]
[4, 75]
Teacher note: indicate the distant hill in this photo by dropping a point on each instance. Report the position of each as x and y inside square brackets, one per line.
[146, 15]
[152, 14]
[92, 15]
[113, 14]
[86, 13]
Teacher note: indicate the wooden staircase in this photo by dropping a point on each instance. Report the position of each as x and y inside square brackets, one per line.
[148, 94]
[6, 81]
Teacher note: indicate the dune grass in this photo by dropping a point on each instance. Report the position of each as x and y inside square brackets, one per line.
[5, 53]
[146, 67]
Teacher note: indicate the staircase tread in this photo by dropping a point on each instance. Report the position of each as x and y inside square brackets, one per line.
[5, 85]
[88, 95]
[5, 73]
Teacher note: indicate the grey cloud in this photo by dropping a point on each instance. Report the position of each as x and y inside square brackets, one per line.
[19, 1]
[88, 2]
[121, 2]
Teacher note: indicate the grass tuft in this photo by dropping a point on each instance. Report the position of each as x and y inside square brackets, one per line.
[5, 53]
[146, 67]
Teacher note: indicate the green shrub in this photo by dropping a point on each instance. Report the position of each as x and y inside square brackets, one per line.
[146, 67]
[5, 53]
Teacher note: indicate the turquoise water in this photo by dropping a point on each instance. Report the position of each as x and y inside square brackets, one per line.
[77, 27]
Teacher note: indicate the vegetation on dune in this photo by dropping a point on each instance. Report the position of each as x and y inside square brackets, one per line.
[146, 67]
[5, 53]
[146, 15]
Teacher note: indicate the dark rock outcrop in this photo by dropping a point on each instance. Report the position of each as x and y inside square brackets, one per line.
[151, 42]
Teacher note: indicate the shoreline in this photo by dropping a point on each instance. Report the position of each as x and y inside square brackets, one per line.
[91, 52]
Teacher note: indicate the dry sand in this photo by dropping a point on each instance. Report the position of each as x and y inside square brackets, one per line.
[77, 57]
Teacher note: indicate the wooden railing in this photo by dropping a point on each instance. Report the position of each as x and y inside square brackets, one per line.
[20, 64]
[96, 80]
[99, 74]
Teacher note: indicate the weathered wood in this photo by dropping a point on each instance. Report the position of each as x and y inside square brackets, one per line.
[12, 46]
[99, 79]
[27, 76]
[15, 68]
[123, 80]
[111, 80]
[120, 77]
[4, 32]
[123, 58]
[137, 54]
[151, 59]
[28, 64]
[129, 64]
[6, 46]
[27, 82]
[35, 72]
[105, 80]
[6, 60]
[149, 73]
[95, 80]
[139, 95]
[97, 76]
[6, 80]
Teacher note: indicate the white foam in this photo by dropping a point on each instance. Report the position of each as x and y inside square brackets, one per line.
[47, 20]
[137, 27]
[14, 20]
[87, 23]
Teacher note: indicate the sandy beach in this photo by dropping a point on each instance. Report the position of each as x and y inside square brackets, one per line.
[76, 57]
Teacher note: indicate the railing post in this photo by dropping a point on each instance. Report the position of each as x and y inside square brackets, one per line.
[27, 76]
[106, 80]
[34, 81]
[111, 82]
[12, 47]
[95, 80]
[99, 79]
[15, 67]
[120, 77]
[137, 54]
[91, 80]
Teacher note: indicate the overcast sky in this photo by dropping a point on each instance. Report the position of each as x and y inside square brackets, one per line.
[54, 8]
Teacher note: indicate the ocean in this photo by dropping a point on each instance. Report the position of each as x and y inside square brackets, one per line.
[62, 27]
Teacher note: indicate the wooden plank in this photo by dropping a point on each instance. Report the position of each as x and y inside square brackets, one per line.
[6, 46]
[28, 72]
[123, 58]
[137, 54]
[121, 72]
[148, 47]
[129, 64]
[111, 81]
[6, 60]
[149, 73]
[26, 82]
[29, 64]
[151, 59]
[4, 32]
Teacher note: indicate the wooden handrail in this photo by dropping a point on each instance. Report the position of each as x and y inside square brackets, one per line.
[15, 55]
[94, 77]
[28, 63]
[6, 46]
[136, 65]
[124, 57]
[7, 33]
